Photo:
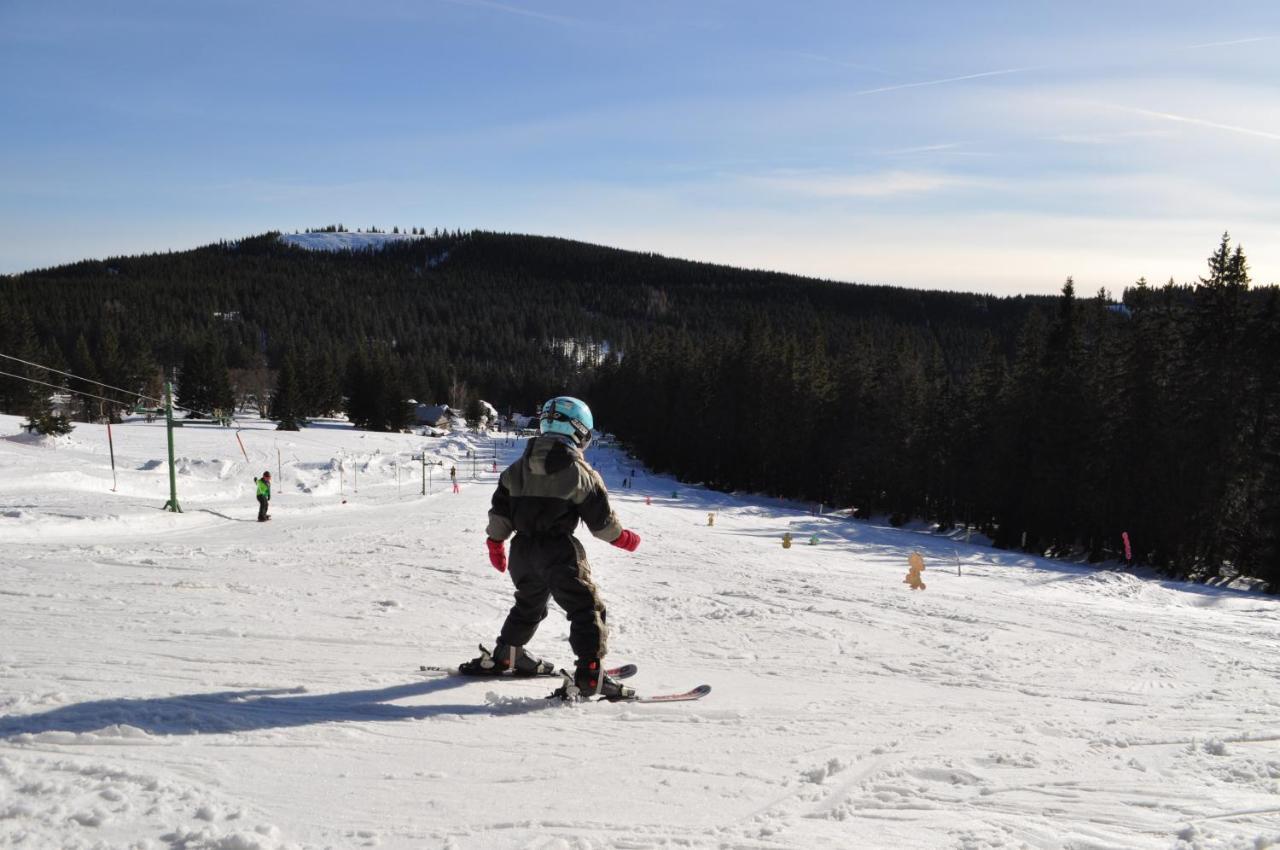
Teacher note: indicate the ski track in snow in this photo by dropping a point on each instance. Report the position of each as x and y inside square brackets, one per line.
[197, 681]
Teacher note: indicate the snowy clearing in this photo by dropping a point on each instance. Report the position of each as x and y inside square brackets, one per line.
[344, 241]
[203, 681]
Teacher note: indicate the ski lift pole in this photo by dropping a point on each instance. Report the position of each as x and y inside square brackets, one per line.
[172, 504]
[111, 446]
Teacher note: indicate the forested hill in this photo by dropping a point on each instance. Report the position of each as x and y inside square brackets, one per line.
[1057, 425]
[498, 312]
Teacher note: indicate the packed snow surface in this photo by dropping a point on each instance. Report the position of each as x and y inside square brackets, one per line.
[199, 680]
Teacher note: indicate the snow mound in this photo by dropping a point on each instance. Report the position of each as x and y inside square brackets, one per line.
[1120, 585]
[49, 441]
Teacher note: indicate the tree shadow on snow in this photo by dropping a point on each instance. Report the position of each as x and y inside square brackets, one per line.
[869, 540]
[247, 711]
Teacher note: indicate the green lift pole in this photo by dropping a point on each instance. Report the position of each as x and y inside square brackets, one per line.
[172, 504]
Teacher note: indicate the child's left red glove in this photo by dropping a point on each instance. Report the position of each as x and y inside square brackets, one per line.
[497, 554]
[628, 540]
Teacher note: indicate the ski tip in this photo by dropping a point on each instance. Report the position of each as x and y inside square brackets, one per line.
[691, 694]
[688, 696]
[626, 671]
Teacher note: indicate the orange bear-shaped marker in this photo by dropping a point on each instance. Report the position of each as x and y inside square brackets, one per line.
[913, 575]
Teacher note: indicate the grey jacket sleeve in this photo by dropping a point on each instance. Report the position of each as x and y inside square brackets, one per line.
[500, 527]
[592, 500]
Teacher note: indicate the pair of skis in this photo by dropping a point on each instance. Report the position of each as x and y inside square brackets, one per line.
[626, 671]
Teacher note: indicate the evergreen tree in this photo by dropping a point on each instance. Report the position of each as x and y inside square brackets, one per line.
[17, 339]
[375, 393]
[286, 403]
[1254, 517]
[475, 412]
[204, 386]
[361, 394]
[82, 364]
[27, 394]
[1213, 398]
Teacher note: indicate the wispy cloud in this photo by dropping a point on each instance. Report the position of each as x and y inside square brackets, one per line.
[879, 185]
[923, 149]
[1230, 43]
[1108, 138]
[945, 80]
[517, 10]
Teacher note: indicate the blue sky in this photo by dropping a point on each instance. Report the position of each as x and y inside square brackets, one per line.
[993, 147]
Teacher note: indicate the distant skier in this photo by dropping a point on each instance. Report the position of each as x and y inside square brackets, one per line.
[453, 476]
[541, 497]
[264, 495]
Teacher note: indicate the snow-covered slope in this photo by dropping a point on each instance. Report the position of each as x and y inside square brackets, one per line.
[203, 681]
[344, 241]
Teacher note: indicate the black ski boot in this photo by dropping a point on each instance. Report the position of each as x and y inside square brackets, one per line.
[505, 659]
[590, 680]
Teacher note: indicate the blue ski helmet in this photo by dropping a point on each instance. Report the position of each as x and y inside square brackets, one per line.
[569, 416]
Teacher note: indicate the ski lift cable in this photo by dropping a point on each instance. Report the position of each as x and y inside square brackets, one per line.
[339, 449]
[101, 384]
[78, 378]
[61, 389]
[130, 393]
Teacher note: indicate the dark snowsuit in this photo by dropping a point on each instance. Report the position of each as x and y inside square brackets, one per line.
[541, 498]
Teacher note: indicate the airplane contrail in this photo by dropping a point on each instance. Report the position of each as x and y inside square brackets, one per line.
[1229, 43]
[940, 82]
[1200, 122]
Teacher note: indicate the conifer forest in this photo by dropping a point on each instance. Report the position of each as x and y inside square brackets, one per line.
[1052, 424]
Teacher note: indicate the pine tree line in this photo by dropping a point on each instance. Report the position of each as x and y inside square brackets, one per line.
[1159, 418]
[1051, 424]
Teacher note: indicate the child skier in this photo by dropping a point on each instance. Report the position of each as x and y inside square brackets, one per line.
[541, 497]
[264, 495]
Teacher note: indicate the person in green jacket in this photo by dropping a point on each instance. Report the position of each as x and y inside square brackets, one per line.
[264, 495]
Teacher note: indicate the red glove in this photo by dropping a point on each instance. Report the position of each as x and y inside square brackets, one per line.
[628, 540]
[497, 554]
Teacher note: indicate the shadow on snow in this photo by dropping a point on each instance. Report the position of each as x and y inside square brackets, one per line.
[247, 711]
[873, 541]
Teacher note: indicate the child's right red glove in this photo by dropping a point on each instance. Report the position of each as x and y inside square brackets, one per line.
[497, 554]
[628, 540]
